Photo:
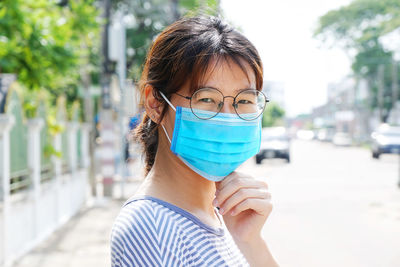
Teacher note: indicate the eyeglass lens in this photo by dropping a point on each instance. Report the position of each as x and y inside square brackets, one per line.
[249, 104]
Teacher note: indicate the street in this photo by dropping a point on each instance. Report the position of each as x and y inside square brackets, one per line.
[333, 206]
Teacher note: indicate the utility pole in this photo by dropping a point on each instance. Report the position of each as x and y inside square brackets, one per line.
[117, 53]
[356, 129]
[395, 91]
[175, 9]
[89, 119]
[107, 151]
[395, 96]
[381, 88]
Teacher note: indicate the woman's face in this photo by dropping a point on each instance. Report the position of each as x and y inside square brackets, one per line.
[227, 77]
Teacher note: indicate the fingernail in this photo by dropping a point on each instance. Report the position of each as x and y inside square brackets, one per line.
[221, 211]
[215, 202]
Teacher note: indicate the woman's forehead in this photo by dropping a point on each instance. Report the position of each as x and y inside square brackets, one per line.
[231, 70]
[224, 73]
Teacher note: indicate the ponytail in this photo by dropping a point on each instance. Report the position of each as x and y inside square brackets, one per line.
[146, 133]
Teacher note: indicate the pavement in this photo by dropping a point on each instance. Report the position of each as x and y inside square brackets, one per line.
[84, 241]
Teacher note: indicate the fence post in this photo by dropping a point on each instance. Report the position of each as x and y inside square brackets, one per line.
[6, 123]
[34, 164]
[72, 129]
[85, 130]
[85, 155]
[57, 163]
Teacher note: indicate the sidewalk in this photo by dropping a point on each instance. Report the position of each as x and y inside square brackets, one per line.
[84, 241]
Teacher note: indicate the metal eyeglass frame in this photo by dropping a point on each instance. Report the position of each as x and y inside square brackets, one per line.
[234, 104]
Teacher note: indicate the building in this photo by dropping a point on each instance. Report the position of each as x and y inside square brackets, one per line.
[346, 109]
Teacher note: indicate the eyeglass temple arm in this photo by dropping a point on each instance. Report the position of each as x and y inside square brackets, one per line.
[187, 97]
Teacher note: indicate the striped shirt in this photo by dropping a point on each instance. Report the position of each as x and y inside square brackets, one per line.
[151, 232]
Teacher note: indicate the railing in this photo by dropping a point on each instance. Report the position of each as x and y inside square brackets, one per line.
[46, 143]
[18, 141]
[44, 177]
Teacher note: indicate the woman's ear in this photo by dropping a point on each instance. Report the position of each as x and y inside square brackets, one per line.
[153, 105]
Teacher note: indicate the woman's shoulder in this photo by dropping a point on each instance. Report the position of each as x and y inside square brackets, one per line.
[147, 216]
[154, 211]
[142, 212]
[141, 231]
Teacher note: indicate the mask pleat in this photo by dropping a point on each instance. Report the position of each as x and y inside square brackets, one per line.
[217, 147]
[206, 169]
[209, 132]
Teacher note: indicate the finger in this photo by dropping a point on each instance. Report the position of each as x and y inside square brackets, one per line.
[234, 175]
[241, 195]
[261, 206]
[235, 185]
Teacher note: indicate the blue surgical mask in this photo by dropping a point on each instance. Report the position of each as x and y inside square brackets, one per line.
[213, 148]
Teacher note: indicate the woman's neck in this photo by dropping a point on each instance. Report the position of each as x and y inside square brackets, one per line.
[171, 180]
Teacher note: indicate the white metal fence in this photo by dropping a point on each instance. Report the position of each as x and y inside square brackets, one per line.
[29, 216]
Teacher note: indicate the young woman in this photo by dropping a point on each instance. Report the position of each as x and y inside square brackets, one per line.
[201, 89]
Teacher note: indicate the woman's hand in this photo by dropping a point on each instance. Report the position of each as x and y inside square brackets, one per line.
[245, 204]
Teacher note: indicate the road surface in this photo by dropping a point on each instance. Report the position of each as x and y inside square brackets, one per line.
[333, 206]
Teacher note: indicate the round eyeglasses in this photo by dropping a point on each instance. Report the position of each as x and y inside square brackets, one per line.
[248, 104]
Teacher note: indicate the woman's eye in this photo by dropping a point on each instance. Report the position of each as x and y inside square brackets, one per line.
[244, 101]
[207, 100]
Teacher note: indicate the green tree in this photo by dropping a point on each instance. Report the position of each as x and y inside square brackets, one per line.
[149, 18]
[273, 115]
[46, 43]
[357, 28]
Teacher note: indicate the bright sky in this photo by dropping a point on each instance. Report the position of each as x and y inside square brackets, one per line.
[282, 33]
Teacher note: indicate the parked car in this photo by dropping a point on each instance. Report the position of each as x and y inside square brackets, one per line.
[275, 143]
[325, 134]
[342, 139]
[385, 140]
[305, 135]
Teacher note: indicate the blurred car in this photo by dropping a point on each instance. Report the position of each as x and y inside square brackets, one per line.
[275, 143]
[385, 140]
[305, 135]
[325, 134]
[342, 139]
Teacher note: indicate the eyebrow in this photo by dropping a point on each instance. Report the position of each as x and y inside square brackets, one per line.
[236, 91]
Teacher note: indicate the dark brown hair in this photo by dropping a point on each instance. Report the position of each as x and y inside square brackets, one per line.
[183, 52]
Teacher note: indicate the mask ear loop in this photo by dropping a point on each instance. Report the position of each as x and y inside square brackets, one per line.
[172, 106]
[166, 134]
[169, 103]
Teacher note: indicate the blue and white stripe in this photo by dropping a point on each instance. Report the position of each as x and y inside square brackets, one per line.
[151, 232]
